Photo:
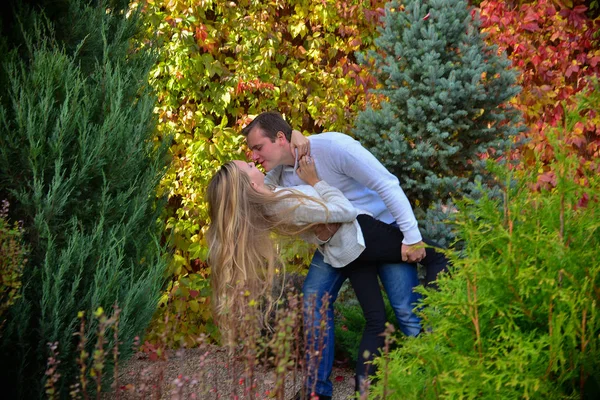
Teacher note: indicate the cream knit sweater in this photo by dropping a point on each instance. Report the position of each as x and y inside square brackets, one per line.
[348, 242]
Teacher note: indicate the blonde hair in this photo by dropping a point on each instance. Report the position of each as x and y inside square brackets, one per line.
[242, 252]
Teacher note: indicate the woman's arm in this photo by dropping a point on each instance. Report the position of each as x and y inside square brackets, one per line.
[329, 206]
[301, 143]
[322, 204]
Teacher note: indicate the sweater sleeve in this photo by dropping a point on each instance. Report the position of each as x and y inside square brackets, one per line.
[273, 177]
[330, 207]
[356, 161]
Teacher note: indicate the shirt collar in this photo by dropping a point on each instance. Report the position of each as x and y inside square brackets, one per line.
[290, 168]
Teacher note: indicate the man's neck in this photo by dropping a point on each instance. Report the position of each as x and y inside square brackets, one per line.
[290, 159]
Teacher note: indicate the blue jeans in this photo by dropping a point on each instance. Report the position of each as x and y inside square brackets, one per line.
[322, 279]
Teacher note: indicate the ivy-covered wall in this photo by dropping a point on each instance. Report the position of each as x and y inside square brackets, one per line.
[219, 64]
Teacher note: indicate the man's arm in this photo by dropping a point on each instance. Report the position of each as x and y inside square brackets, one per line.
[356, 161]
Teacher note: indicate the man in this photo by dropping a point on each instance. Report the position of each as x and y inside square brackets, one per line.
[343, 163]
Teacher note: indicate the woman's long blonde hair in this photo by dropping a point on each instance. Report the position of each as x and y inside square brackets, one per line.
[242, 254]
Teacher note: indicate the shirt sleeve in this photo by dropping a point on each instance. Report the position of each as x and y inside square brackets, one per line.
[357, 162]
[331, 206]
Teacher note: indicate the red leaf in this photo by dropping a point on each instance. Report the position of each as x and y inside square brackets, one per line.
[531, 27]
[583, 202]
[548, 177]
[572, 68]
[355, 42]
[531, 16]
[550, 11]
[578, 141]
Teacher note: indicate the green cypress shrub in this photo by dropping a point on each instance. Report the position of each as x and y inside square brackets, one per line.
[80, 168]
[444, 104]
[517, 316]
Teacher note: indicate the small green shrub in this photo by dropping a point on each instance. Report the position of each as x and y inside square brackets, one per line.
[350, 322]
[518, 315]
[12, 259]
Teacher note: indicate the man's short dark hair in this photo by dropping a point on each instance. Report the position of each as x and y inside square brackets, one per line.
[270, 122]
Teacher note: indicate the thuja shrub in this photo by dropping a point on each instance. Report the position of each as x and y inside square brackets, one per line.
[79, 165]
[517, 316]
[12, 260]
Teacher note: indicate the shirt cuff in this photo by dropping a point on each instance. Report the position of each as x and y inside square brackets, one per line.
[411, 237]
[321, 184]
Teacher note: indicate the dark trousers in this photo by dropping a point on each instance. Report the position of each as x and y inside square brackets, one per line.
[383, 245]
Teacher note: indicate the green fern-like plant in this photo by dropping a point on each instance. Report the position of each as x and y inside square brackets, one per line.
[518, 315]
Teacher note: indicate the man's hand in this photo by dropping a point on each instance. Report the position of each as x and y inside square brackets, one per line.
[325, 231]
[300, 142]
[412, 253]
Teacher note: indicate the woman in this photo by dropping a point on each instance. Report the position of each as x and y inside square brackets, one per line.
[244, 211]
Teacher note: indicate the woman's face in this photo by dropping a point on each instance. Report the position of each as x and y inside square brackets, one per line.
[256, 176]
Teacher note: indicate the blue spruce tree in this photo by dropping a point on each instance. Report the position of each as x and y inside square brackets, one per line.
[444, 106]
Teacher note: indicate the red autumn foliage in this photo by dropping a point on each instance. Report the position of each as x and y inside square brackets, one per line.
[555, 50]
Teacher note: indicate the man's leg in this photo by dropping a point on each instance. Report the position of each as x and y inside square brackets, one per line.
[322, 279]
[434, 262]
[399, 281]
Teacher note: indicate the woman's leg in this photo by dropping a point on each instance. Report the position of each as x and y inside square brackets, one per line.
[368, 292]
[383, 244]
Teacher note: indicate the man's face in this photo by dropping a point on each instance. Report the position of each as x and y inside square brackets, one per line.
[264, 152]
